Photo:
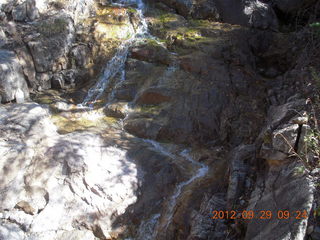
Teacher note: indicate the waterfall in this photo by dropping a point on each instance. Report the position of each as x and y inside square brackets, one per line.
[117, 63]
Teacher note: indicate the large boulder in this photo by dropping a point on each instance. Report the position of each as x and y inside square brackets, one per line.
[53, 42]
[19, 13]
[204, 92]
[32, 10]
[26, 11]
[78, 185]
[13, 85]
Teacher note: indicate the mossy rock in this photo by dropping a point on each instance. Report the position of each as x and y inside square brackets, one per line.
[53, 27]
[68, 125]
[152, 109]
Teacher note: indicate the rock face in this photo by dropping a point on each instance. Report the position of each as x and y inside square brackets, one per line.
[26, 11]
[65, 47]
[12, 83]
[257, 14]
[285, 190]
[30, 195]
[98, 180]
[56, 36]
[193, 98]
[291, 6]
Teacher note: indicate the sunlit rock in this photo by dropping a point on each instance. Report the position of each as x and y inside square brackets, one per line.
[12, 82]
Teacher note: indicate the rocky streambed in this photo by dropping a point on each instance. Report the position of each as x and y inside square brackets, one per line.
[141, 120]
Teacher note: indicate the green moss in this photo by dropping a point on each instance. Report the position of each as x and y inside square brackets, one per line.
[153, 42]
[45, 100]
[153, 109]
[110, 120]
[132, 10]
[200, 23]
[66, 125]
[167, 17]
[49, 97]
[71, 124]
[267, 138]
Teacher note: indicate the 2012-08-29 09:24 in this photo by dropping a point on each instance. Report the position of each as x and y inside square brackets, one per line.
[262, 214]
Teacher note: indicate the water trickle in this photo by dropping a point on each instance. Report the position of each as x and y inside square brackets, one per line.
[160, 148]
[201, 172]
[112, 68]
[172, 68]
[147, 228]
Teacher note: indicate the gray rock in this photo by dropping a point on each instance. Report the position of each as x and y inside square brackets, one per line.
[19, 13]
[302, 146]
[254, 13]
[280, 143]
[283, 113]
[10, 231]
[44, 80]
[260, 15]
[316, 233]
[79, 55]
[3, 38]
[202, 226]
[239, 161]
[142, 127]
[3, 16]
[56, 37]
[57, 81]
[32, 10]
[26, 62]
[310, 229]
[63, 79]
[117, 110]
[284, 188]
[37, 187]
[77, 185]
[291, 6]
[12, 81]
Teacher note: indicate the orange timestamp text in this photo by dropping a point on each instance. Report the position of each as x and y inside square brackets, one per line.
[263, 214]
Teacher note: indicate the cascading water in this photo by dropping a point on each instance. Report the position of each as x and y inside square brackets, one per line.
[116, 64]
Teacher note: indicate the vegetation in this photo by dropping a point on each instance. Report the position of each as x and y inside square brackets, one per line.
[312, 138]
[51, 28]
